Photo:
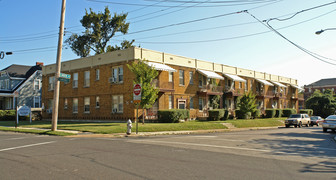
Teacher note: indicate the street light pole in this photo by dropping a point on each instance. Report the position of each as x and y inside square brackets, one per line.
[58, 69]
[322, 30]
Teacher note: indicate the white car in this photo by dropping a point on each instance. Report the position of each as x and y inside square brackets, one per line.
[329, 123]
[297, 120]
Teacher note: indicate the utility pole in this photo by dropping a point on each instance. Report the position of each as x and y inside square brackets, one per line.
[58, 69]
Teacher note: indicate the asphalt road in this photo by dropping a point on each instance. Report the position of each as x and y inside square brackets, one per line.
[284, 153]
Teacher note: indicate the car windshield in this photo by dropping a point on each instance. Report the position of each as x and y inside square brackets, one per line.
[295, 116]
[333, 117]
[314, 118]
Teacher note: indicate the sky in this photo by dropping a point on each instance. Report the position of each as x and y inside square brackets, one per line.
[219, 31]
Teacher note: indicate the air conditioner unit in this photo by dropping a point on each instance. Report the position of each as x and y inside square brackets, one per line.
[114, 110]
[49, 111]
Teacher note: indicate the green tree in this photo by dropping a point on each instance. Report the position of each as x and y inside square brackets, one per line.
[99, 29]
[215, 102]
[145, 75]
[247, 103]
[323, 104]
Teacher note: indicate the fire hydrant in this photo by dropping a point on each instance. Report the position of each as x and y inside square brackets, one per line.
[129, 127]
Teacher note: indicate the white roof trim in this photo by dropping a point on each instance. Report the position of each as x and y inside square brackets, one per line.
[210, 74]
[297, 87]
[265, 82]
[278, 84]
[234, 77]
[160, 67]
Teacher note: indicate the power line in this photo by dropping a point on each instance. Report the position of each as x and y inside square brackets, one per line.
[316, 56]
[208, 6]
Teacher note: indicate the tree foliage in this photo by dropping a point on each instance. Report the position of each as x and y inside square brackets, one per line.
[145, 75]
[323, 104]
[247, 103]
[99, 29]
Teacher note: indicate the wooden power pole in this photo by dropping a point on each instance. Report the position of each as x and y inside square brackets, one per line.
[58, 69]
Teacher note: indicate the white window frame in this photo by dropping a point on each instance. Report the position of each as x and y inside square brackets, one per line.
[191, 77]
[75, 80]
[74, 108]
[86, 78]
[51, 83]
[38, 83]
[191, 103]
[181, 77]
[39, 101]
[97, 74]
[66, 103]
[118, 74]
[86, 104]
[201, 103]
[170, 76]
[117, 104]
[170, 102]
[97, 102]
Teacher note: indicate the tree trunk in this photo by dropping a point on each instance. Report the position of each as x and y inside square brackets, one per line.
[143, 115]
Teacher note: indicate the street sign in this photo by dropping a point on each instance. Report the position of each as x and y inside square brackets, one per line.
[24, 111]
[64, 80]
[137, 93]
[65, 76]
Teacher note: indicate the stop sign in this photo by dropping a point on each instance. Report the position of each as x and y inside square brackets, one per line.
[137, 89]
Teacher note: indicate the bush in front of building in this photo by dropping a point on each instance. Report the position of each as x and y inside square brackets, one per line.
[256, 114]
[287, 112]
[226, 115]
[307, 111]
[278, 113]
[270, 113]
[7, 115]
[173, 115]
[243, 115]
[216, 114]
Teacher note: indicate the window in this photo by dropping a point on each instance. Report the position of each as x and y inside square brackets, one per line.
[65, 103]
[170, 101]
[97, 74]
[75, 105]
[75, 80]
[191, 77]
[181, 77]
[7, 84]
[97, 102]
[51, 83]
[50, 105]
[118, 104]
[182, 104]
[1, 84]
[200, 104]
[117, 74]
[87, 79]
[37, 84]
[87, 105]
[37, 102]
[251, 84]
[170, 76]
[191, 103]
[245, 85]
[240, 85]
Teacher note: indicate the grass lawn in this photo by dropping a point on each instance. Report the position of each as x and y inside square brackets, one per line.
[242, 123]
[109, 128]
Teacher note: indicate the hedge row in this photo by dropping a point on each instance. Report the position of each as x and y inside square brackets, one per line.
[173, 115]
[287, 112]
[307, 111]
[218, 114]
[7, 115]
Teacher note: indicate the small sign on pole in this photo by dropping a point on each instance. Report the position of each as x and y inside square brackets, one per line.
[137, 93]
[23, 111]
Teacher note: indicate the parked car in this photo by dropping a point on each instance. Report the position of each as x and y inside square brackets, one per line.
[314, 120]
[297, 120]
[329, 123]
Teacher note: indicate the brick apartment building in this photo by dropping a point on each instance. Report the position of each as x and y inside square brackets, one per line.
[101, 86]
[320, 85]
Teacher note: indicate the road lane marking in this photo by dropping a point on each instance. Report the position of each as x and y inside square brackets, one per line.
[202, 145]
[13, 139]
[29, 145]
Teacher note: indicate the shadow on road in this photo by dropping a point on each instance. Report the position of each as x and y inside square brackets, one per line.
[321, 167]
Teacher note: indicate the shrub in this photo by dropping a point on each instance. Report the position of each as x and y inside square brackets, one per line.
[241, 115]
[256, 113]
[173, 115]
[307, 111]
[287, 112]
[216, 114]
[278, 113]
[226, 115]
[270, 113]
[7, 115]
